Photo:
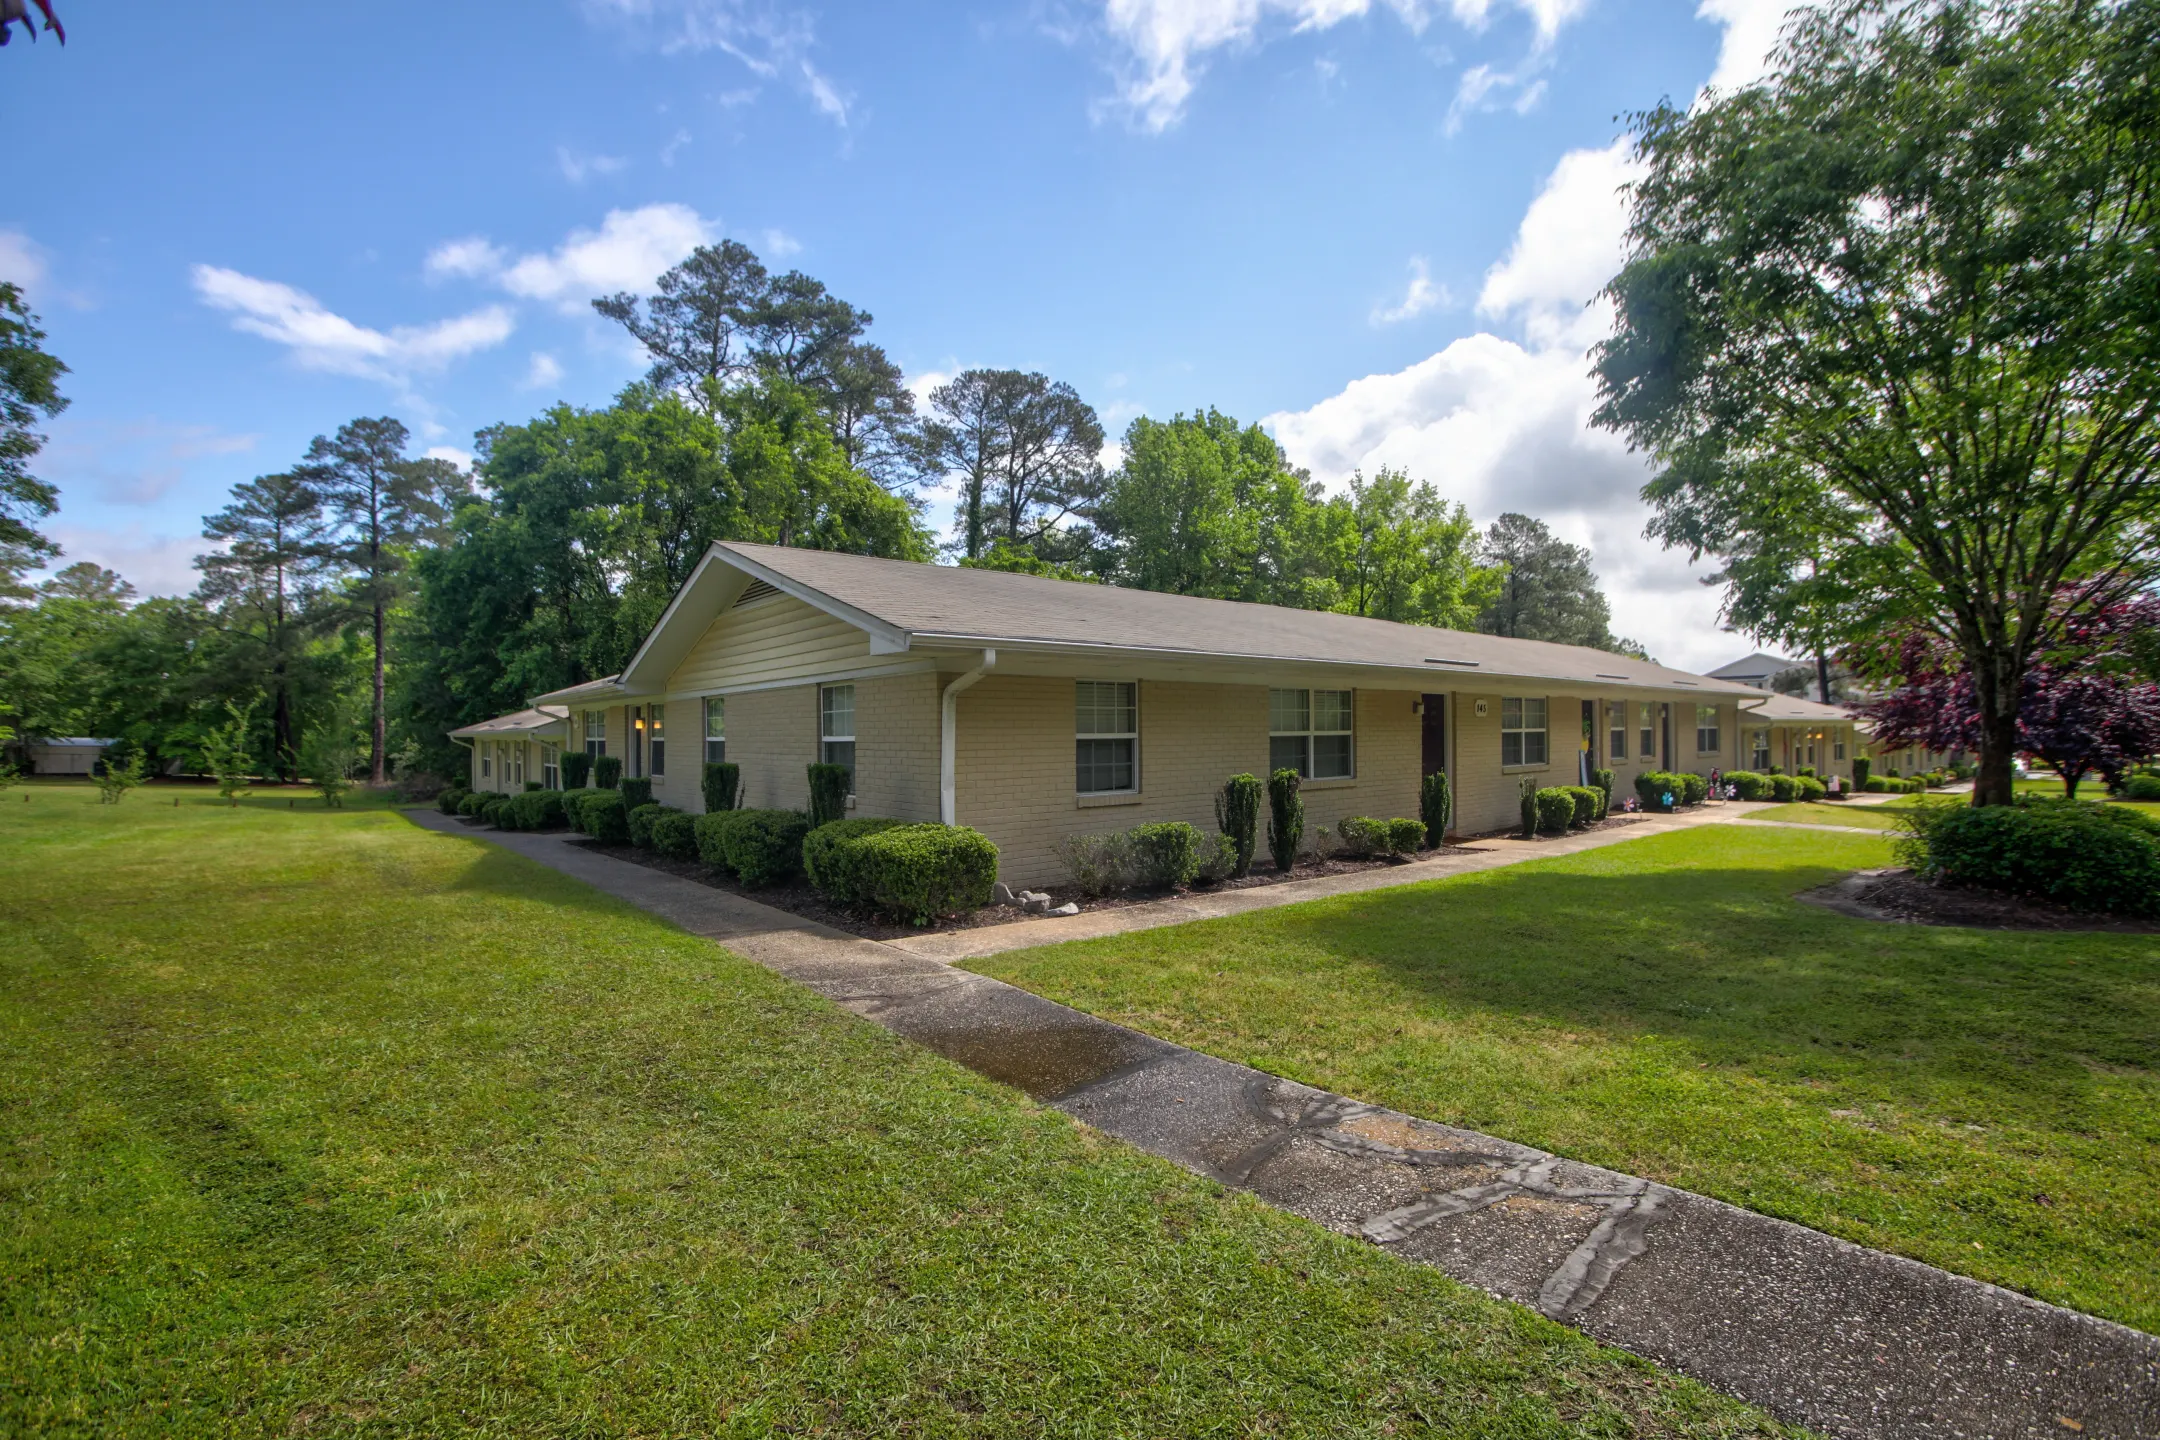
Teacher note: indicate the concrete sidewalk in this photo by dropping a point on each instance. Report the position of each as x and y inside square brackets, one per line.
[1849, 1341]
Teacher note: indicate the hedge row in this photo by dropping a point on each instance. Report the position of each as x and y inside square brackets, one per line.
[2088, 857]
[916, 872]
[1362, 835]
[757, 847]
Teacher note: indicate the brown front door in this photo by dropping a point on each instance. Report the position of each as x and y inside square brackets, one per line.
[1434, 711]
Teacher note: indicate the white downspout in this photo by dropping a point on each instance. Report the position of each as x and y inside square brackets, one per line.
[948, 735]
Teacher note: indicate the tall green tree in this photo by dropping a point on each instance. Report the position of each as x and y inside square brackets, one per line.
[266, 585]
[45, 682]
[693, 327]
[29, 389]
[385, 505]
[1395, 550]
[1205, 506]
[1895, 306]
[1026, 449]
[1547, 590]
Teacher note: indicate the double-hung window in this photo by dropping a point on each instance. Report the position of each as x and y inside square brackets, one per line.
[836, 728]
[1649, 748]
[1616, 722]
[1106, 737]
[596, 733]
[517, 763]
[487, 759]
[715, 729]
[1837, 751]
[1759, 750]
[550, 767]
[1309, 731]
[658, 743]
[1707, 738]
[1523, 737]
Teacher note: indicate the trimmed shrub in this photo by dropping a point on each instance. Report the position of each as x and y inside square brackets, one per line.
[1694, 788]
[1555, 810]
[1436, 807]
[1874, 785]
[2142, 787]
[1604, 780]
[1100, 864]
[919, 872]
[830, 861]
[450, 799]
[1860, 767]
[640, 818]
[469, 806]
[1589, 800]
[2067, 852]
[576, 766]
[533, 810]
[1218, 859]
[491, 812]
[1807, 787]
[674, 835]
[1165, 853]
[602, 815]
[607, 771]
[1784, 788]
[828, 794]
[711, 832]
[764, 847]
[1237, 814]
[1362, 836]
[1527, 789]
[722, 784]
[1286, 819]
[1658, 791]
[532, 785]
[1748, 785]
[1406, 835]
[636, 791]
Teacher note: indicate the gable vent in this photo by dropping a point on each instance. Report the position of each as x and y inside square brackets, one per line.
[757, 590]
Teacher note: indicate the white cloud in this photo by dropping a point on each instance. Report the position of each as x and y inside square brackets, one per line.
[674, 146]
[154, 564]
[1421, 296]
[323, 340]
[1751, 36]
[1570, 242]
[577, 168]
[627, 252]
[463, 459]
[468, 258]
[772, 41]
[22, 260]
[1166, 41]
[781, 244]
[543, 374]
[131, 463]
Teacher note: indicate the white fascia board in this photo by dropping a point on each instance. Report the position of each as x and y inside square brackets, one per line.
[885, 639]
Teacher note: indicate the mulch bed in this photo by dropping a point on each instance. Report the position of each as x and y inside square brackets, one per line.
[1900, 897]
[799, 898]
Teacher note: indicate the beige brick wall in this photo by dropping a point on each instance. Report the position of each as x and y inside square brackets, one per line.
[896, 746]
[772, 734]
[1015, 768]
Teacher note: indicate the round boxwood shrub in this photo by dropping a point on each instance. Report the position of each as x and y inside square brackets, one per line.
[533, 810]
[1659, 790]
[450, 799]
[1748, 785]
[469, 807]
[640, 818]
[1555, 811]
[1588, 802]
[1807, 787]
[919, 872]
[764, 847]
[674, 835]
[1165, 854]
[1694, 789]
[636, 791]
[711, 832]
[832, 862]
[602, 815]
[491, 813]
[2073, 854]
[1785, 788]
[1406, 835]
[1362, 835]
[2142, 787]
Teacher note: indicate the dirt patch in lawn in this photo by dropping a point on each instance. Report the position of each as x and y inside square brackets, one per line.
[1901, 897]
[797, 897]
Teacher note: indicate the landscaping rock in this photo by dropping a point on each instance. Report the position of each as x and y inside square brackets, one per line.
[1070, 907]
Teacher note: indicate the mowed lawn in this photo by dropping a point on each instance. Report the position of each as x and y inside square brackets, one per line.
[321, 1124]
[1984, 1101]
[1822, 812]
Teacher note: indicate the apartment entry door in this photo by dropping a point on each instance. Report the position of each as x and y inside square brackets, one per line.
[1433, 710]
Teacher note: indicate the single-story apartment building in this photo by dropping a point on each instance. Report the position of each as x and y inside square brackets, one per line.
[1789, 734]
[1033, 708]
[64, 754]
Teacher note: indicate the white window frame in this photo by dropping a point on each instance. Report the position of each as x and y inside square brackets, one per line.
[1524, 730]
[1759, 748]
[1837, 747]
[656, 740]
[1311, 733]
[487, 759]
[517, 763]
[715, 709]
[596, 733]
[1616, 730]
[1715, 730]
[1648, 732]
[828, 737]
[550, 766]
[1127, 701]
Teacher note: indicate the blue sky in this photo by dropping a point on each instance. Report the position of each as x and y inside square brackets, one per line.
[1373, 223]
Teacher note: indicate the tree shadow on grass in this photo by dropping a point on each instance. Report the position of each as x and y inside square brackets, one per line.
[505, 873]
[1729, 961]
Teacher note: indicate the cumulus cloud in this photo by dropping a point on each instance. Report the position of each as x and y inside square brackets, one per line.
[1751, 36]
[22, 260]
[321, 339]
[155, 564]
[772, 41]
[543, 373]
[577, 168]
[780, 244]
[1421, 296]
[1569, 244]
[463, 459]
[1166, 42]
[627, 252]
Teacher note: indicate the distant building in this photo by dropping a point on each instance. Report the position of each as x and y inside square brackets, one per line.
[65, 754]
[1757, 670]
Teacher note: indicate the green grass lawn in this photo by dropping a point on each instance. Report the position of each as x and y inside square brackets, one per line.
[1822, 812]
[1987, 1102]
[317, 1123]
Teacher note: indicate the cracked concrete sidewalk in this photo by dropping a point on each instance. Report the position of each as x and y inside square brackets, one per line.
[1850, 1341]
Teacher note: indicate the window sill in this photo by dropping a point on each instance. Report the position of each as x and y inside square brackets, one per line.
[1526, 769]
[1339, 782]
[1109, 797]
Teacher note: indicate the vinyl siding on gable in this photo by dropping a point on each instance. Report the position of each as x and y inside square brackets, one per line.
[768, 642]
